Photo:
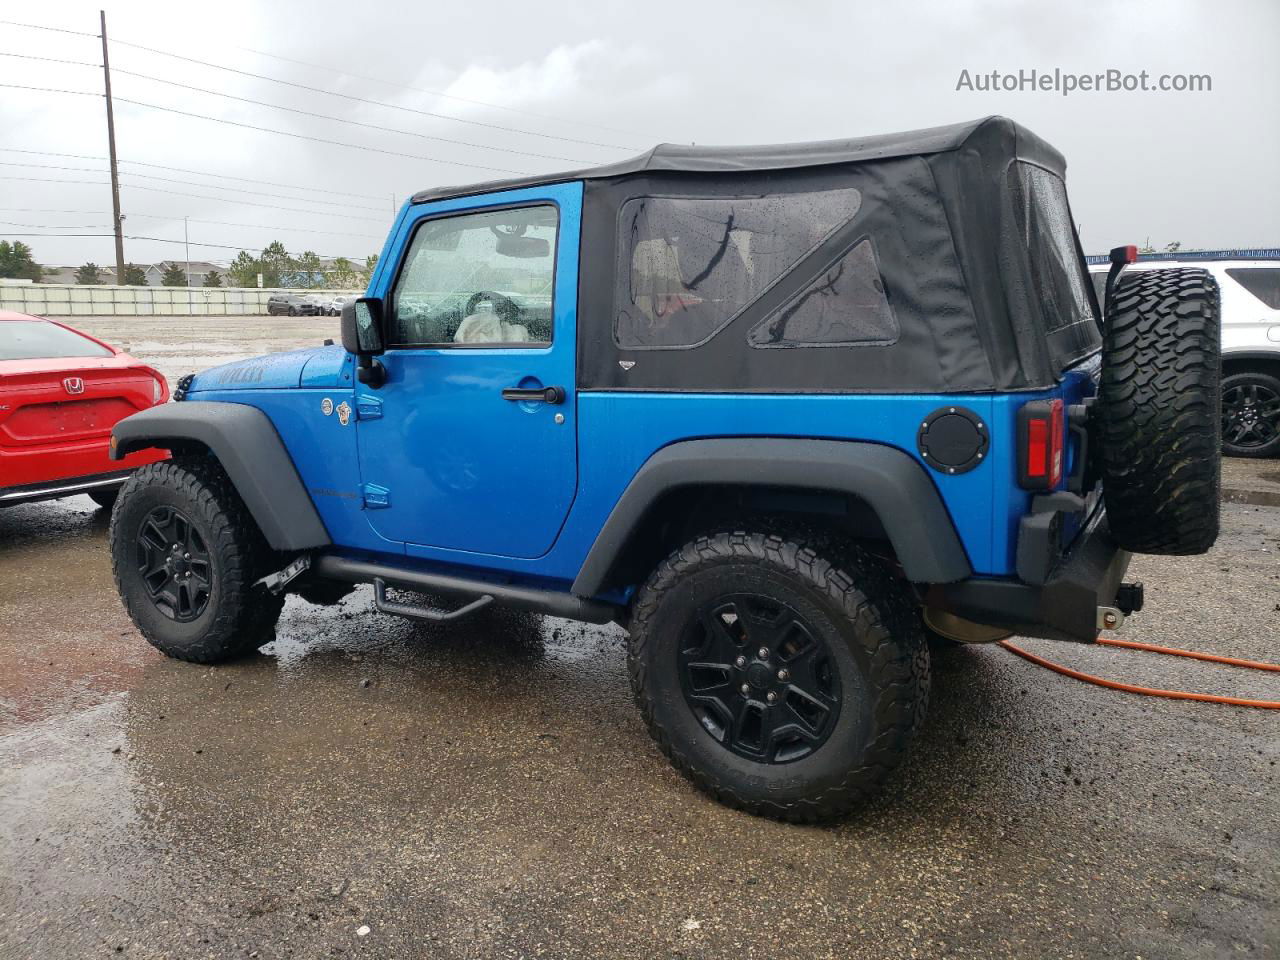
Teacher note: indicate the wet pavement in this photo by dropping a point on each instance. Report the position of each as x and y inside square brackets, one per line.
[367, 787]
[487, 790]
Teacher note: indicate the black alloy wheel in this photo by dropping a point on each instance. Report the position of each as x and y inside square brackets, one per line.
[759, 679]
[173, 561]
[1251, 415]
[783, 671]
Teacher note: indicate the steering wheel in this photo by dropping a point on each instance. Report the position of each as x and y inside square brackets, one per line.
[504, 307]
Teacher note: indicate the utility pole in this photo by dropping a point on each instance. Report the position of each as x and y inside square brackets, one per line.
[186, 244]
[111, 147]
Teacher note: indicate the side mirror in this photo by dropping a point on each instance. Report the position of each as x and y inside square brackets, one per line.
[362, 335]
[362, 326]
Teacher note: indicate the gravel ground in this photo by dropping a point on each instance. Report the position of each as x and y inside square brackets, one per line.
[369, 787]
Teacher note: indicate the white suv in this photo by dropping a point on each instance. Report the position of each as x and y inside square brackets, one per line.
[1250, 348]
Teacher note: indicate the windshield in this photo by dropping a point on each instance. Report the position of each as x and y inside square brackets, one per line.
[40, 340]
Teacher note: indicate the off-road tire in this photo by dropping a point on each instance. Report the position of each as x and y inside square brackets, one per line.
[1159, 426]
[105, 498]
[238, 616]
[869, 622]
[1266, 389]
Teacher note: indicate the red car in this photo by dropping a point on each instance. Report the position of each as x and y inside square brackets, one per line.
[61, 392]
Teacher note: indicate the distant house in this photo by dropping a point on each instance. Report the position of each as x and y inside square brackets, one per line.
[68, 274]
[195, 270]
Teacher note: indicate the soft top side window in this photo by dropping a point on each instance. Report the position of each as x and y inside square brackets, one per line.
[689, 265]
[484, 278]
[845, 306]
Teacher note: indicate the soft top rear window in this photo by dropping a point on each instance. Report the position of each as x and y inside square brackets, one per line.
[1059, 284]
[1044, 218]
[39, 340]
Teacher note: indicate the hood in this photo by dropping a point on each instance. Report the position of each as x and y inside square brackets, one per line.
[325, 366]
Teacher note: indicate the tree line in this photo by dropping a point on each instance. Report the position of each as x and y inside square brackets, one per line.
[277, 267]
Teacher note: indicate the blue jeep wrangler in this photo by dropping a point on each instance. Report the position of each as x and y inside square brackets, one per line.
[782, 412]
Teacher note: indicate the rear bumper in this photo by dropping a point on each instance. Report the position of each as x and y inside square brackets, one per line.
[1063, 607]
[51, 490]
[54, 464]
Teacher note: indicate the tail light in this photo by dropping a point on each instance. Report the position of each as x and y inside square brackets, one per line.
[157, 390]
[1040, 444]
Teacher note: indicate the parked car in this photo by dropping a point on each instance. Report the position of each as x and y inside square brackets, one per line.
[61, 392]
[318, 303]
[778, 411]
[334, 306]
[1250, 347]
[289, 304]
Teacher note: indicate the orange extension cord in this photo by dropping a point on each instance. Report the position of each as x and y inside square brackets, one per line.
[1155, 691]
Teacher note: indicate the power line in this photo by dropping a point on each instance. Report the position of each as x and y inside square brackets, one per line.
[46, 166]
[194, 196]
[96, 183]
[354, 123]
[190, 183]
[305, 113]
[268, 183]
[57, 226]
[22, 86]
[37, 26]
[202, 173]
[303, 136]
[247, 203]
[31, 56]
[265, 226]
[282, 133]
[49, 210]
[171, 218]
[358, 76]
[377, 103]
[451, 96]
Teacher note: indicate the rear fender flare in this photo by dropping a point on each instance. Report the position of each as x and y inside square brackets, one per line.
[245, 442]
[894, 484]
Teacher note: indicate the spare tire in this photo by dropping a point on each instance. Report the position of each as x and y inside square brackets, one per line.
[1159, 427]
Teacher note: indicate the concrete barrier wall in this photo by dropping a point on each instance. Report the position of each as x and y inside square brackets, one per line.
[69, 300]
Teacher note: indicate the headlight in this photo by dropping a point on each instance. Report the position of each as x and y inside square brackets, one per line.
[157, 390]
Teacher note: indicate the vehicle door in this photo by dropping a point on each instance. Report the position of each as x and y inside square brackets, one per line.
[470, 445]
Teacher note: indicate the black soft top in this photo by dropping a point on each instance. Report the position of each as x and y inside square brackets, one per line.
[954, 268]
[993, 138]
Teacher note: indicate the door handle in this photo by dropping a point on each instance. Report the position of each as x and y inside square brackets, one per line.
[534, 394]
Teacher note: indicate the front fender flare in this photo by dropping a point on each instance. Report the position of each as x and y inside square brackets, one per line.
[245, 442]
[894, 484]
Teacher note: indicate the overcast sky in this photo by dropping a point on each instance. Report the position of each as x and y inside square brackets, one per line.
[593, 82]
